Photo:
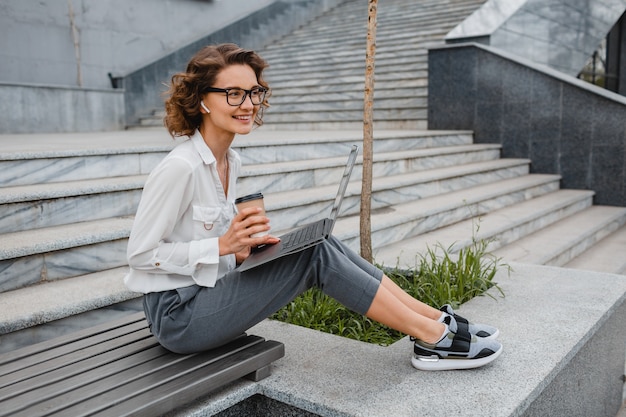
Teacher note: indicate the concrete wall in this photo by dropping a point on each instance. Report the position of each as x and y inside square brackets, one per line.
[54, 109]
[57, 57]
[38, 45]
[564, 125]
[561, 34]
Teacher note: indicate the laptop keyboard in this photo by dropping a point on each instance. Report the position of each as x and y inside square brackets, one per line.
[296, 237]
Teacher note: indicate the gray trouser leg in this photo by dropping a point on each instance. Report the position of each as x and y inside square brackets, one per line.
[197, 318]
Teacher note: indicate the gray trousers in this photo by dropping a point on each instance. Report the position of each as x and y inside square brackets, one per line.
[193, 319]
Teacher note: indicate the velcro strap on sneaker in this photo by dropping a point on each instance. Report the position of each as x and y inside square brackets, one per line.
[461, 341]
[457, 325]
[461, 323]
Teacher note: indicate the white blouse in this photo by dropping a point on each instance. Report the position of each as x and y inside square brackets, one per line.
[182, 213]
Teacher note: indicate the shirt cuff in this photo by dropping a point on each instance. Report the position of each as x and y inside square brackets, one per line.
[204, 259]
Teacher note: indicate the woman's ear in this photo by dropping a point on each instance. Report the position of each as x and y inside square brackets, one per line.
[206, 109]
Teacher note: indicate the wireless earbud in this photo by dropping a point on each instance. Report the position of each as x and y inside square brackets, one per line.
[205, 107]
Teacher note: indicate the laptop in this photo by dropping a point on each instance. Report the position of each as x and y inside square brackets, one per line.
[307, 235]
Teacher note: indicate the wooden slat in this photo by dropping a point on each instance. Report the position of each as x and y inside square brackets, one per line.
[190, 386]
[110, 377]
[153, 378]
[99, 396]
[72, 362]
[44, 351]
[46, 385]
[69, 338]
[51, 397]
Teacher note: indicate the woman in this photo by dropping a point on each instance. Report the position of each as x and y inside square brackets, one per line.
[188, 237]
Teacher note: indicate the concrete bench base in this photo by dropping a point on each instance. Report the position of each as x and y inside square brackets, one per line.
[564, 337]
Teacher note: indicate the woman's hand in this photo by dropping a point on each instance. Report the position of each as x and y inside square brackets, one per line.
[237, 238]
[242, 255]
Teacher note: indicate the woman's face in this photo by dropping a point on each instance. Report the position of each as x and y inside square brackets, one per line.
[224, 117]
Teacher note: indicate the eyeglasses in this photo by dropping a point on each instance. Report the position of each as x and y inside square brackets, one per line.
[236, 96]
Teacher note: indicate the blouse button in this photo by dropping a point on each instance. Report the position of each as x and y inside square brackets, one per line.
[157, 264]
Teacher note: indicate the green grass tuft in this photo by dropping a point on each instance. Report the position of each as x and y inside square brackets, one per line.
[440, 277]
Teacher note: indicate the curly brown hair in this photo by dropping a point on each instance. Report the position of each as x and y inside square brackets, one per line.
[182, 103]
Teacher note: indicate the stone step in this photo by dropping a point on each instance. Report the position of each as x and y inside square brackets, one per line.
[499, 226]
[605, 256]
[101, 244]
[411, 47]
[92, 233]
[326, 104]
[281, 176]
[308, 62]
[398, 229]
[307, 105]
[315, 98]
[86, 245]
[354, 76]
[76, 157]
[291, 208]
[309, 58]
[306, 122]
[342, 56]
[53, 253]
[262, 146]
[332, 120]
[416, 40]
[79, 156]
[55, 300]
[43, 205]
[354, 86]
[385, 63]
[330, 96]
[561, 242]
[403, 14]
[105, 286]
[326, 70]
[391, 22]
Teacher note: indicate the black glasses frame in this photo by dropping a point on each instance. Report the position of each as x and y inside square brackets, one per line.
[246, 94]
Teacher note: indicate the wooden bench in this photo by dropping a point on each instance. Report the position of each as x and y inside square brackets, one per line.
[118, 368]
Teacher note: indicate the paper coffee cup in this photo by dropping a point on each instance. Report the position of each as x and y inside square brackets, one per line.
[252, 200]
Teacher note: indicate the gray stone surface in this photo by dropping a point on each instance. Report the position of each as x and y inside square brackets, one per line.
[112, 35]
[561, 35]
[564, 343]
[564, 125]
[27, 108]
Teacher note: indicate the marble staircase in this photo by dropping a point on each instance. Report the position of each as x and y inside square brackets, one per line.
[317, 72]
[67, 201]
[63, 241]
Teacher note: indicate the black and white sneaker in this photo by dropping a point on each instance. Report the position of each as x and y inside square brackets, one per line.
[480, 330]
[460, 350]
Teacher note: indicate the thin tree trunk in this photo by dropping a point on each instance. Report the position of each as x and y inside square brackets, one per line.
[368, 135]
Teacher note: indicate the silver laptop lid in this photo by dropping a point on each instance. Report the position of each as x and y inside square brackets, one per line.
[344, 183]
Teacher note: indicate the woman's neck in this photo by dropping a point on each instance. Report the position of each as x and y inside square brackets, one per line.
[218, 143]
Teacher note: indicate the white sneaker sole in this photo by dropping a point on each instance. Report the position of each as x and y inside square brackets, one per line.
[434, 363]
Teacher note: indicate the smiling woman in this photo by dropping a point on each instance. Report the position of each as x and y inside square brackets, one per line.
[185, 97]
[188, 236]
